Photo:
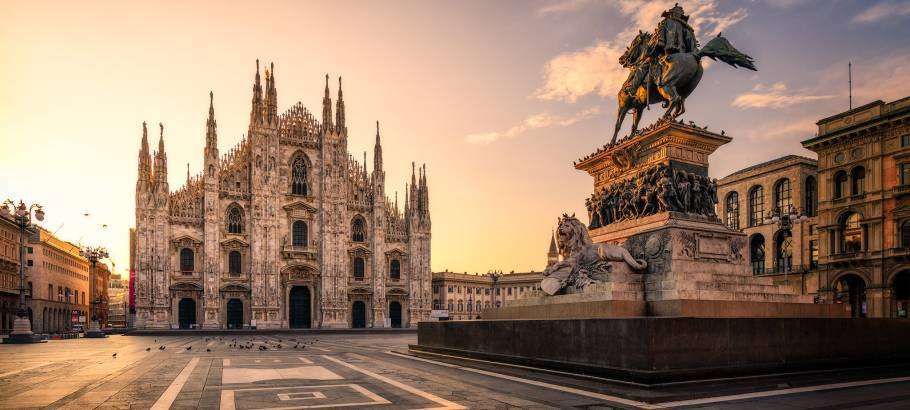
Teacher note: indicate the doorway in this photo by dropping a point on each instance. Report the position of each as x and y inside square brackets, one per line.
[235, 314]
[187, 313]
[395, 314]
[299, 308]
[359, 315]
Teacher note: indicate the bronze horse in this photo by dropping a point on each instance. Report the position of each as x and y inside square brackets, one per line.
[681, 73]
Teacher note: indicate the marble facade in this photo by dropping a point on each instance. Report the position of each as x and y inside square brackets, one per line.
[284, 230]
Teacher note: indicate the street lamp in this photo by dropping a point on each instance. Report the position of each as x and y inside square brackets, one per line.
[785, 219]
[494, 276]
[93, 254]
[22, 215]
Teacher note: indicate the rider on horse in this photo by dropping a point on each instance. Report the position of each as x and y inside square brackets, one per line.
[673, 35]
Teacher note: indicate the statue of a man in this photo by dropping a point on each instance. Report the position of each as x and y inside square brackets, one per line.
[673, 35]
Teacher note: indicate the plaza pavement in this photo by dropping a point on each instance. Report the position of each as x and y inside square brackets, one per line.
[366, 370]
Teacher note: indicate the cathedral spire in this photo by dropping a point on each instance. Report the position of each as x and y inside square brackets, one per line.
[145, 157]
[187, 173]
[377, 152]
[256, 109]
[553, 253]
[339, 111]
[161, 158]
[211, 132]
[272, 96]
[327, 107]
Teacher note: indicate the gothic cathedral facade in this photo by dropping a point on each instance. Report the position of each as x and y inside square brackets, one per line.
[286, 230]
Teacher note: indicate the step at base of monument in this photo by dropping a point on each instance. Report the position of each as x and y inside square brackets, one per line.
[668, 349]
[744, 306]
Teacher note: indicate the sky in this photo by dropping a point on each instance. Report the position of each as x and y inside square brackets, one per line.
[497, 98]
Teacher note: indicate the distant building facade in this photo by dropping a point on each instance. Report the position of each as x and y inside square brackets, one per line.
[854, 248]
[864, 208]
[58, 282]
[748, 197]
[465, 295]
[285, 230]
[101, 279]
[118, 298]
[9, 273]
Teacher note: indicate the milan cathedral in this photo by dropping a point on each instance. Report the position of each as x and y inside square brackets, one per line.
[285, 230]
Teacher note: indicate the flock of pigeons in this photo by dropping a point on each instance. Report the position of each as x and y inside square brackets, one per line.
[249, 344]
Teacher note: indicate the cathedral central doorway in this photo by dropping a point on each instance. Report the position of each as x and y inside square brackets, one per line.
[359, 315]
[187, 313]
[299, 308]
[395, 314]
[234, 314]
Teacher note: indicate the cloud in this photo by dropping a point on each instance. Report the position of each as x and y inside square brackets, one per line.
[537, 121]
[562, 6]
[882, 11]
[775, 96]
[595, 69]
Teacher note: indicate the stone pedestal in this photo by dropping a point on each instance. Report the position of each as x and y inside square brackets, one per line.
[94, 330]
[22, 332]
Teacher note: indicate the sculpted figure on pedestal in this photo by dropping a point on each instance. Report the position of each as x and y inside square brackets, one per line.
[666, 67]
[582, 261]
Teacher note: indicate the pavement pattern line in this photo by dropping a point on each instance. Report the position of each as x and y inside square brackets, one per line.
[167, 398]
[781, 392]
[228, 397]
[448, 405]
[572, 390]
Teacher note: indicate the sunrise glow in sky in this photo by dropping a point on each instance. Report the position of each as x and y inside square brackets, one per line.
[496, 97]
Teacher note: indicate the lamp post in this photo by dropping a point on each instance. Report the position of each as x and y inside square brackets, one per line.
[494, 276]
[93, 254]
[22, 215]
[785, 219]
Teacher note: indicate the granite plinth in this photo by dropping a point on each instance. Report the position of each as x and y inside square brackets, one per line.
[664, 349]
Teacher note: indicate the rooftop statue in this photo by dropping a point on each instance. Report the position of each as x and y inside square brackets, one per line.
[666, 67]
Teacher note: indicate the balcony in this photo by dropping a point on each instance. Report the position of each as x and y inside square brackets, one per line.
[790, 269]
[901, 190]
[186, 276]
[304, 252]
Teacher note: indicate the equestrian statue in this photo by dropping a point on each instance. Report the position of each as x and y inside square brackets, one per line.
[666, 67]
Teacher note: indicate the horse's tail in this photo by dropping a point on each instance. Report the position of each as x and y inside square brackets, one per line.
[721, 49]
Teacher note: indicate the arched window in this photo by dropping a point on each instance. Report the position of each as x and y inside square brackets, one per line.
[783, 250]
[235, 219]
[851, 234]
[757, 254]
[783, 199]
[358, 268]
[756, 206]
[451, 305]
[857, 181]
[811, 196]
[187, 260]
[395, 269]
[460, 305]
[299, 176]
[905, 234]
[357, 229]
[732, 210]
[479, 306]
[234, 262]
[299, 234]
[470, 306]
[840, 184]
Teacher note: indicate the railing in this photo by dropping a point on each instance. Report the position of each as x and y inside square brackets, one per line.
[186, 275]
[901, 190]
